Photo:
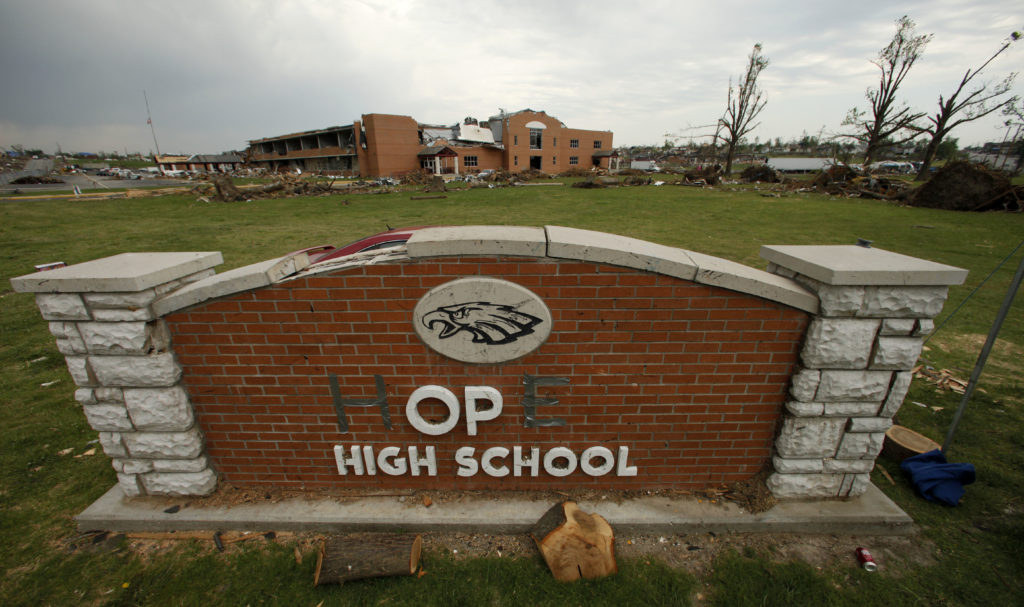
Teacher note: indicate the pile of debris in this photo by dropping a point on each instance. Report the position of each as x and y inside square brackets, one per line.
[705, 175]
[761, 173]
[285, 185]
[33, 180]
[844, 180]
[965, 186]
[597, 182]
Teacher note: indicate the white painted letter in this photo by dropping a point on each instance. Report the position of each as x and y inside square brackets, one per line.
[467, 465]
[429, 461]
[473, 415]
[605, 467]
[442, 394]
[396, 468]
[532, 462]
[623, 469]
[558, 452]
[356, 460]
[371, 466]
[490, 469]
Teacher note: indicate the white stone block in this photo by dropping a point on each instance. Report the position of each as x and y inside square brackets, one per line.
[897, 392]
[903, 302]
[859, 485]
[159, 336]
[858, 409]
[857, 445]
[180, 483]
[62, 306]
[115, 337]
[157, 370]
[804, 485]
[839, 385]
[165, 445]
[848, 466]
[86, 396]
[181, 465]
[166, 409]
[775, 268]
[839, 343]
[108, 418]
[112, 444]
[924, 327]
[174, 285]
[897, 326]
[59, 329]
[839, 301]
[130, 300]
[801, 409]
[123, 315]
[805, 384]
[804, 437]
[72, 347]
[899, 353]
[78, 366]
[130, 485]
[134, 466]
[109, 395]
[869, 424]
[797, 466]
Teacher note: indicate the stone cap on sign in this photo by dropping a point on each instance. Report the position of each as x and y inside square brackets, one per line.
[599, 247]
[127, 272]
[233, 281]
[851, 265]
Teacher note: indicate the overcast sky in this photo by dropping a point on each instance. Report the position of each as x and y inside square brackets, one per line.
[220, 73]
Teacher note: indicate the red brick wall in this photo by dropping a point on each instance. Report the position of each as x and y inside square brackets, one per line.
[691, 378]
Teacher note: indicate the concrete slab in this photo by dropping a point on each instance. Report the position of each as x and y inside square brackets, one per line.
[514, 241]
[126, 272]
[870, 514]
[726, 274]
[246, 278]
[853, 265]
[598, 247]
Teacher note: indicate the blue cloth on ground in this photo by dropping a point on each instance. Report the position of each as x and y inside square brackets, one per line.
[936, 479]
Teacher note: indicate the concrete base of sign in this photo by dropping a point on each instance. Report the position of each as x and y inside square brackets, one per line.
[869, 514]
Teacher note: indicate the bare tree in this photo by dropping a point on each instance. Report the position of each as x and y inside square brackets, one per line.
[970, 101]
[886, 123]
[745, 102]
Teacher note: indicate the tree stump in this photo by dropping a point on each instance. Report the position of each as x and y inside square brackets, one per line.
[344, 558]
[575, 544]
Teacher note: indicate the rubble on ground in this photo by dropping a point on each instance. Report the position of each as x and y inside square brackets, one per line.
[761, 173]
[32, 180]
[965, 186]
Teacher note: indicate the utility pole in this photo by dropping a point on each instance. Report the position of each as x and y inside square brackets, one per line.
[149, 121]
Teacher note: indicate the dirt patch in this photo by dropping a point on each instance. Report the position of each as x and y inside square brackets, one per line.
[965, 186]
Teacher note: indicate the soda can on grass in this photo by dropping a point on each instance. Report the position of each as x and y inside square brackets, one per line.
[866, 560]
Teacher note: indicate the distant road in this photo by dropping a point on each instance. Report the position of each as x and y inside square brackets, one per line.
[87, 182]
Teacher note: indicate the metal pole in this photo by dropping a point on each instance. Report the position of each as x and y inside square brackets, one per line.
[993, 332]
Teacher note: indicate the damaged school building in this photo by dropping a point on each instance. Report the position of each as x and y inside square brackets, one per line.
[385, 145]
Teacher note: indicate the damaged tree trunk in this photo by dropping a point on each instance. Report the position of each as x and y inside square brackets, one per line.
[226, 190]
[343, 558]
[575, 544]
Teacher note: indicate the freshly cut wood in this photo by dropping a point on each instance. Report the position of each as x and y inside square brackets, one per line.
[574, 543]
[902, 442]
[344, 558]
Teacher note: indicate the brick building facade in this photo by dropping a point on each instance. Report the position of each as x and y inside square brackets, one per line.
[392, 145]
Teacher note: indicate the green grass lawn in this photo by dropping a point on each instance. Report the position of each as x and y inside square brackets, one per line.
[976, 547]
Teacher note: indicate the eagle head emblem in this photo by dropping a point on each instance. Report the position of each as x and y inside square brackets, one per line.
[488, 323]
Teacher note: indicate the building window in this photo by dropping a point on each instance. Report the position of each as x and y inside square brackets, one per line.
[554, 142]
[515, 160]
[574, 143]
[515, 139]
[574, 160]
[554, 160]
[427, 164]
[469, 161]
[536, 139]
[597, 144]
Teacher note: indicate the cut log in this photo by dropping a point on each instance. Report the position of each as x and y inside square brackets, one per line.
[344, 558]
[575, 544]
[902, 442]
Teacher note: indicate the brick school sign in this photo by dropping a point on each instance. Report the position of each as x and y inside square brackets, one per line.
[498, 358]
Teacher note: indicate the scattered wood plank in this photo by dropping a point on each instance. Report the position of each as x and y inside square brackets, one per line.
[574, 543]
[342, 558]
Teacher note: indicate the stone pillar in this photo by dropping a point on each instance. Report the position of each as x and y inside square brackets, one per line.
[875, 307]
[119, 355]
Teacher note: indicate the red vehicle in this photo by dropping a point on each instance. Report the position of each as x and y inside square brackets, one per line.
[391, 238]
